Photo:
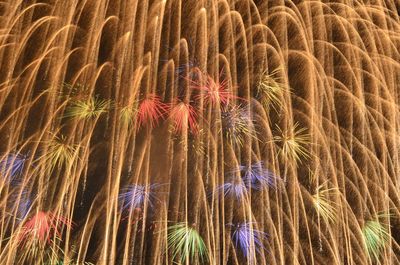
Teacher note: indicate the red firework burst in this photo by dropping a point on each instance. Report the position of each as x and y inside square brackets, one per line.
[150, 110]
[42, 226]
[215, 92]
[183, 116]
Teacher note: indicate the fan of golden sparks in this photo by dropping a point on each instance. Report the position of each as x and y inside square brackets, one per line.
[185, 132]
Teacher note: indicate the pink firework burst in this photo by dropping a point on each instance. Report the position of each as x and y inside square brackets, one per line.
[150, 110]
[183, 116]
[42, 226]
[214, 92]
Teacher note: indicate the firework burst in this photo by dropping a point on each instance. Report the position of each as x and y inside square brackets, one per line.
[248, 239]
[186, 243]
[91, 108]
[19, 203]
[43, 226]
[150, 110]
[214, 92]
[375, 236]
[183, 117]
[257, 177]
[325, 207]
[138, 196]
[190, 67]
[59, 153]
[237, 124]
[12, 165]
[293, 143]
[127, 114]
[40, 237]
[235, 188]
[194, 144]
[270, 92]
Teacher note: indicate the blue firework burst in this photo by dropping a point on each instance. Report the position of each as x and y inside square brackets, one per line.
[258, 177]
[248, 239]
[12, 165]
[235, 188]
[137, 196]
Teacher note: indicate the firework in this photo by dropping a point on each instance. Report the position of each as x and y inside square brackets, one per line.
[148, 92]
[183, 116]
[91, 108]
[189, 67]
[195, 144]
[376, 236]
[43, 226]
[293, 143]
[256, 176]
[270, 92]
[186, 243]
[12, 165]
[325, 207]
[19, 203]
[235, 188]
[247, 239]
[214, 92]
[59, 153]
[137, 196]
[236, 124]
[150, 110]
[127, 114]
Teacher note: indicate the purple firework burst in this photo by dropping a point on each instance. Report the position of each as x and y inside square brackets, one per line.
[12, 165]
[235, 188]
[137, 196]
[258, 177]
[248, 239]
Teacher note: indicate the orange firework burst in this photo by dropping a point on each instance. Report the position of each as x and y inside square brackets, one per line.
[150, 110]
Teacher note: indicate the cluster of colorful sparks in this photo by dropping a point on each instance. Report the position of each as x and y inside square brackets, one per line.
[236, 124]
[43, 227]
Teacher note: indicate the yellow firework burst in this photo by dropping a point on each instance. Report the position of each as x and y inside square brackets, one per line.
[325, 207]
[88, 109]
[271, 91]
[59, 153]
[293, 143]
